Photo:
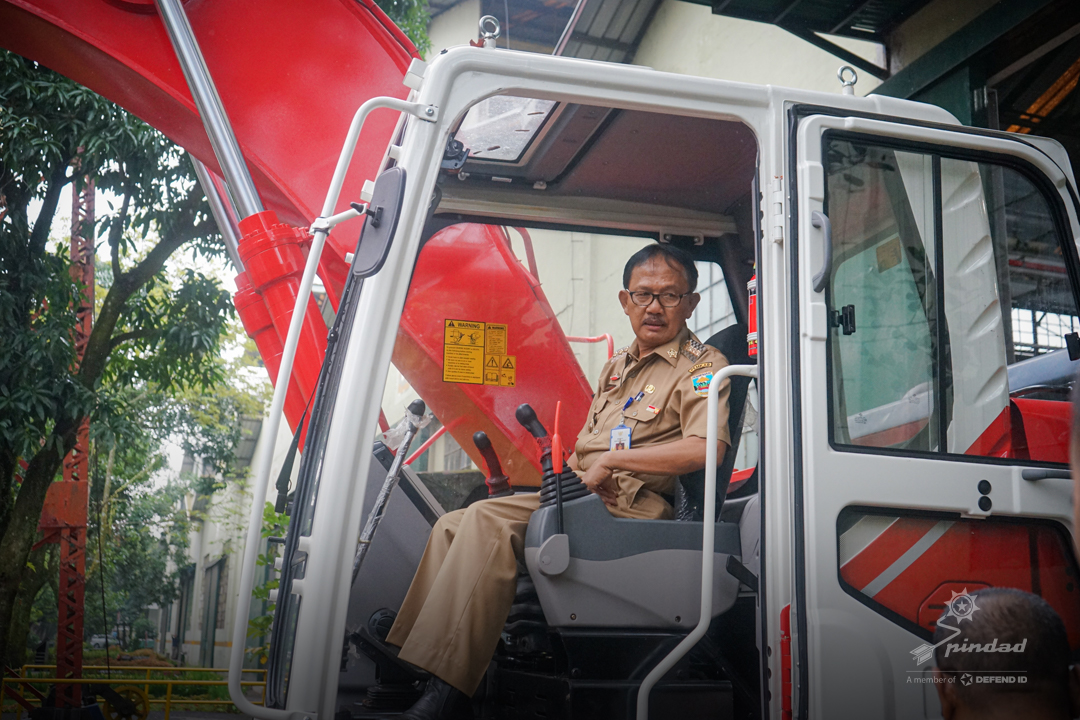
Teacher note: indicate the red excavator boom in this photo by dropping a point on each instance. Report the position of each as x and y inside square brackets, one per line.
[290, 76]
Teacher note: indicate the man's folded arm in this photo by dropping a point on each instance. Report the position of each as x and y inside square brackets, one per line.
[673, 458]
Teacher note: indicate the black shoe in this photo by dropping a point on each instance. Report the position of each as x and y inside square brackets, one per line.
[440, 701]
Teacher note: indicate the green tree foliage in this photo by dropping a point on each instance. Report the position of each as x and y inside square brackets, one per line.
[412, 16]
[273, 525]
[153, 331]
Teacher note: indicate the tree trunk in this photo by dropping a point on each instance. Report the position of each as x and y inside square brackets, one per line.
[45, 566]
[21, 530]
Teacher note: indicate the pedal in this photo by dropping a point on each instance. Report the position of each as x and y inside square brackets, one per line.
[390, 670]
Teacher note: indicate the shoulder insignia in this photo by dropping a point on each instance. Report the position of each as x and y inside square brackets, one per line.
[692, 349]
[620, 351]
[699, 366]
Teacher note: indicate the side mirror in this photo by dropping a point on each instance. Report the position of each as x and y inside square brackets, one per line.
[381, 223]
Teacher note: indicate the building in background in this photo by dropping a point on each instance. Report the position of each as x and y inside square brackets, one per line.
[196, 629]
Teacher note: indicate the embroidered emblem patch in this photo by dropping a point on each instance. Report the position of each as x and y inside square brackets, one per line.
[701, 384]
[650, 389]
[699, 366]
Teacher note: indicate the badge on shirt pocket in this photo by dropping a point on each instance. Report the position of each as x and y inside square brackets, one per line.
[620, 438]
[701, 384]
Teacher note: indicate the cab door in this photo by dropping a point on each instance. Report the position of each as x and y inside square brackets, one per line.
[935, 275]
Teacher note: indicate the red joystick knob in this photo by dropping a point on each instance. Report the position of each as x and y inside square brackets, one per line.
[498, 483]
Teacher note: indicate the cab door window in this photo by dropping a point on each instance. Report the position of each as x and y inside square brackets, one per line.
[948, 274]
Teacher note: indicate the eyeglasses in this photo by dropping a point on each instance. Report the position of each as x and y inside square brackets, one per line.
[668, 299]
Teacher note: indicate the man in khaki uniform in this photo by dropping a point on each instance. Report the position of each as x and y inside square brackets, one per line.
[451, 619]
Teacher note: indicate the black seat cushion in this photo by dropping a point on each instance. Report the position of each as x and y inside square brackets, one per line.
[731, 341]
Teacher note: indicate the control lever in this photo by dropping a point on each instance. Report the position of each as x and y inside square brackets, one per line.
[568, 482]
[556, 455]
[527, 417]
[498, 484]
[414, 420]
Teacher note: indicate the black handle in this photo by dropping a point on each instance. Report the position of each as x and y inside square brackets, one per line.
[498, 483]
[483, 444]
[821, 220]
[527, 417]
[417, 407]
[1032, 474]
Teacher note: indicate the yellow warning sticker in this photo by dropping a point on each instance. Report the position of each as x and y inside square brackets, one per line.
[495, 341]
[500, 370]
[475, 353]
[463, 351]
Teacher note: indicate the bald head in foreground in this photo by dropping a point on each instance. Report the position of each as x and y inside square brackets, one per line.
[1010, 660]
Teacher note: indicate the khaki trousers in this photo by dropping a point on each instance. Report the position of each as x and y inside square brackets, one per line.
[454, 612]
[456, 607]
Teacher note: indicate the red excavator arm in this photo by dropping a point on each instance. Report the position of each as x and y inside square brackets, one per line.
[290, 76]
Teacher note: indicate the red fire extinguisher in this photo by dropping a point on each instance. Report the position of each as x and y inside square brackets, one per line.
[751, 320]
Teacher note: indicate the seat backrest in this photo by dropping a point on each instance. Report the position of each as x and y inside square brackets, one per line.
[731, 341]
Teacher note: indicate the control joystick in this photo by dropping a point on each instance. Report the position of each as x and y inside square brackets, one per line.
[498, 483]
[527, 417]
[566, 483]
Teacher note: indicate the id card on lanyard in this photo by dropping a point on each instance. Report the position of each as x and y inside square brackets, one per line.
[620, 438]
[620, 435]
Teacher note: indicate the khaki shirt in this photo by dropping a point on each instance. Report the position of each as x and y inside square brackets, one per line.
[675, 381]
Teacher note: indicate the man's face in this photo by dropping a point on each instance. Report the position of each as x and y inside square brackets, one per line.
[654, 324]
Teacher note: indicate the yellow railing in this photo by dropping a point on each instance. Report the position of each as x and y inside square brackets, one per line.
[125, 675]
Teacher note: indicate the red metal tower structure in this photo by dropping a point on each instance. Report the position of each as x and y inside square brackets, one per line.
[63, 519]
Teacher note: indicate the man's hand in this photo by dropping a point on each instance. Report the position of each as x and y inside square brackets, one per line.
[599, 479]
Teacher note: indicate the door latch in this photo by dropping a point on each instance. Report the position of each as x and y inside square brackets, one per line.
[1072, 342]
[844, 318]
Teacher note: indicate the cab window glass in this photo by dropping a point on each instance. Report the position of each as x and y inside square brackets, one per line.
[530, 280]
[953, 361]
[883, 311]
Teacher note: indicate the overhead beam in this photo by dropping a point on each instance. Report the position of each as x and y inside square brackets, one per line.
[784, 13]
[586, 39]
[841, 52]
[958, 48]
[859, 7]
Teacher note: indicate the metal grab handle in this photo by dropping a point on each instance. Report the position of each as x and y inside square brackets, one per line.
[415, 410]
[265, 457]
[1033, 474]
[708, 536]
[821, 220]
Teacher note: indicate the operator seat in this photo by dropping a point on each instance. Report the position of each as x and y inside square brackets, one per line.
[614, 572]
[690, 491]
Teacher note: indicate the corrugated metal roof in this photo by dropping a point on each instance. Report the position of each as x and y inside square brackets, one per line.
[608, 30]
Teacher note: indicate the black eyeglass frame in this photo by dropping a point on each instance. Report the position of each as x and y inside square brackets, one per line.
[655, 296]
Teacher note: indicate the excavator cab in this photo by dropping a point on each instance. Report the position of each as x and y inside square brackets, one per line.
[529, 181]
[535, 206]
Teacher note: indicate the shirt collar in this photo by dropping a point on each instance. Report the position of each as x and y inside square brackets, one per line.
[669, 351]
